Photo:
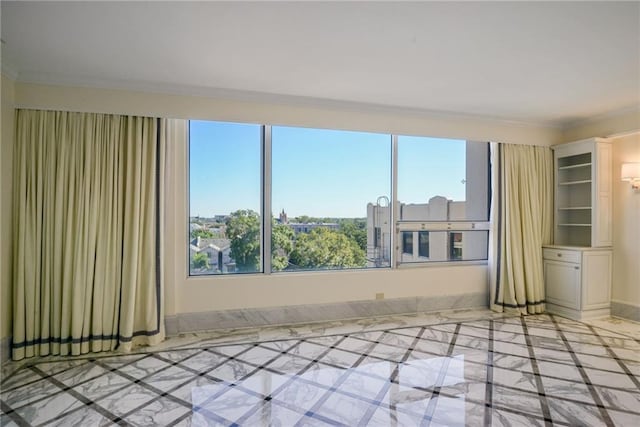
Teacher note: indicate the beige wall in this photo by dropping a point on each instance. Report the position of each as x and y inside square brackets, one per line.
[338, 116]
[6, 184]
[626, 225]
[183, 294]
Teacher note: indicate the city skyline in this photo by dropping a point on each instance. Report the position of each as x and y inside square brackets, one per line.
[315, 172]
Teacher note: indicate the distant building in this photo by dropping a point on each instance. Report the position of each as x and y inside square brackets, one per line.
[217, 250]
[427, 245]
[307, 227]
[283, 218]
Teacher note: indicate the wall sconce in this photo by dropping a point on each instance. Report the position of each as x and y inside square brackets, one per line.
[631, 172]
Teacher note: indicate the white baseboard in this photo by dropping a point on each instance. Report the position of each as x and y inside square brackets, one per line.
[311, 313]
[577, 314]
[625, 310]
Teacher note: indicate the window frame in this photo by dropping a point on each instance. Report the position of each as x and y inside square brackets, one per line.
[397, 227]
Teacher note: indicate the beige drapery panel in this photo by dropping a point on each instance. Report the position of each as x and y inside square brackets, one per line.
[521, 221]
[86, 232]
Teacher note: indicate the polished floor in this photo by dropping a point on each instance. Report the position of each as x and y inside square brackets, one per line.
[471, 369]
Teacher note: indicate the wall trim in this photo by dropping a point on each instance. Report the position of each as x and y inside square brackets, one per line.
[311, 313]
[625, 310]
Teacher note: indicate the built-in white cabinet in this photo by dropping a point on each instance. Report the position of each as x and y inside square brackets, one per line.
[577, 268]
[583, 193]
[578, 281]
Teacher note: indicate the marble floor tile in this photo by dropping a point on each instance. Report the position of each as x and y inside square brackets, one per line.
[619, 399]
[501, 418]
[464, 368]
[576, 414]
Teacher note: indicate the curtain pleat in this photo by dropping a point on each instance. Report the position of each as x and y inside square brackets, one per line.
[85, 233]
[521, 218]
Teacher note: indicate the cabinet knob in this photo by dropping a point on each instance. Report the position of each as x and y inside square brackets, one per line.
[576, 267]
[559, 255]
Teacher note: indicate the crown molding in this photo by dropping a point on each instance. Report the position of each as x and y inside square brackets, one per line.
[604, 116]
[266, 98]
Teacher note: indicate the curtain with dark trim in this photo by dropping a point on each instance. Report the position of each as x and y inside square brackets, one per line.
[86, 233]
[521, 222]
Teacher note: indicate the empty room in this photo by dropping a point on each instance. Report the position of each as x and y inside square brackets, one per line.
[355, 213]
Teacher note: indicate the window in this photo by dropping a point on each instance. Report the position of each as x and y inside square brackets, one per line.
[224, 198]
[423, 245]
[455, 246]
[279, 199]
[407, 243]
[443, 198]
[329, 184]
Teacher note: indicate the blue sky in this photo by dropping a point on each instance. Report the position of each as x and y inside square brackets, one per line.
[320, 173]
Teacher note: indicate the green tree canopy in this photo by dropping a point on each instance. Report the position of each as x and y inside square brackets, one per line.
[281, 246]
[243, 229]
[356, 231]
[205, 234]
[199, 260]
[324, 248]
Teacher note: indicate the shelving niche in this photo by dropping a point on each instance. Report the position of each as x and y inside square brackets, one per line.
[577, 267]
[583, 193]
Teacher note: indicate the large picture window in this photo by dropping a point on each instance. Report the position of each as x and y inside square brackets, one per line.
[281, 199]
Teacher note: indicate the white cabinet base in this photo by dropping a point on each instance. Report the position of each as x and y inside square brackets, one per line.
[577, 314]
[577, 281]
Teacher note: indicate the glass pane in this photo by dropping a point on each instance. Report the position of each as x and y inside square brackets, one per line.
[446, 246]
[423, 248]
[330, 196]
[224, 198]
[407, 243]
[442, 179]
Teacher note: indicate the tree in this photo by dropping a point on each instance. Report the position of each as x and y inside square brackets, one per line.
[243, 229]
[324, 248]
[355, 231]
[199, 260]
[281, 246]
[204, 234]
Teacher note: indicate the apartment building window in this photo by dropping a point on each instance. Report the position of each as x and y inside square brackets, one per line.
[407, 243]
[455, 246]
[423, 244]
[266, 199]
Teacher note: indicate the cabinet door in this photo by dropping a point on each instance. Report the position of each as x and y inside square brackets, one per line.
[596, 284]
[562, 283]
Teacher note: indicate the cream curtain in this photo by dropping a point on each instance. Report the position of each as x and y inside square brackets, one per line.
[521, 218]
[86, 233]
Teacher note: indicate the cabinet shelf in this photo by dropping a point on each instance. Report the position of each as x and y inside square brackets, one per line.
[584, 181]
[582, 175]
[581, 165]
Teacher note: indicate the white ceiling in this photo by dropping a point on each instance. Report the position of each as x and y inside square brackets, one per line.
[543, 63]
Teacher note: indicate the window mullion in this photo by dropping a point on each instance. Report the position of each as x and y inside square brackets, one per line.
[265, 235]
[394, 202]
